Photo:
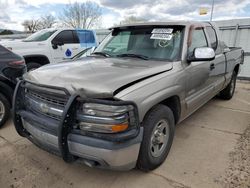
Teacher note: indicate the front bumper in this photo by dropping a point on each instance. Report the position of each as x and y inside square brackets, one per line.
[94, 152]
[119, 152]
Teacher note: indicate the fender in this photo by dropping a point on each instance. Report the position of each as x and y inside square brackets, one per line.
[42, 59]
[160, 96]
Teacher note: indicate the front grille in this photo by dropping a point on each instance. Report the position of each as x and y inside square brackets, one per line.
[47, 99]
[40, 102]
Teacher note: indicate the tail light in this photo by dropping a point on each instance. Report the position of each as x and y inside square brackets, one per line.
[17, 63]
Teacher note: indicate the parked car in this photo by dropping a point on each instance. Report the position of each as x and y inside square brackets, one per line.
[52, 45]
[119, 108]
[12, 66]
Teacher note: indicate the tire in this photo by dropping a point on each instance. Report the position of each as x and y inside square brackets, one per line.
[4, 109]
[228, 92]
[152, 153]
[32, 66]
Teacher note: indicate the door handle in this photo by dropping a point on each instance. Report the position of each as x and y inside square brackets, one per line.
[212, 66]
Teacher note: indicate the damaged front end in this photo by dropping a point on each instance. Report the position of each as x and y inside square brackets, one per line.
[105, 133]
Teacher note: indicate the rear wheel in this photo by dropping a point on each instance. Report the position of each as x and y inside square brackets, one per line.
[4, 109]
[32, 66]
[158, 136]
[228, 92]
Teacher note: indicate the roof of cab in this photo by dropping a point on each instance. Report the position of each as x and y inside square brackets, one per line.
[184, 23]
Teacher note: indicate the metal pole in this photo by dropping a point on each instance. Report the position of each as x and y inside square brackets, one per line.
[212, 11]
[236, 34]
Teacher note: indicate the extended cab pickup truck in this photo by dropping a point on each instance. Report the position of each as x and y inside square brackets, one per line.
[118, 108]
[52, 45]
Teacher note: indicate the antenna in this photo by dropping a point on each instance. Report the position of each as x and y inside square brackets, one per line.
[212, 11]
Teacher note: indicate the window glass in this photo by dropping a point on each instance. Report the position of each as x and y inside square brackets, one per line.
[40, 36]
[198, 40]
[119, 43]
[85, 36]
[212, 36]
[66, 37]
[144, 41]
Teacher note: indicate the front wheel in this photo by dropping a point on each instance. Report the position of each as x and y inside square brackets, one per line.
[228, 92]
[4, 109]
[159, 127]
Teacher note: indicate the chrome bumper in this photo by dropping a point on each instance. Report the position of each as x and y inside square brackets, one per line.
[94, 152]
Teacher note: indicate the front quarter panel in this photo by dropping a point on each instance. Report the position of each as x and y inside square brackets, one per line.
[154, 90]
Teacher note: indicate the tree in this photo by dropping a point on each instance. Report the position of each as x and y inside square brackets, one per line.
[31, 25]
[46, 21]
[81, 15]
[34, 25]
[131, 19]
[6, 32]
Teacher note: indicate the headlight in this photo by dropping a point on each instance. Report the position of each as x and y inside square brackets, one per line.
[105, 118]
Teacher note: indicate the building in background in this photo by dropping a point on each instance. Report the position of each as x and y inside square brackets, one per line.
[236, 33]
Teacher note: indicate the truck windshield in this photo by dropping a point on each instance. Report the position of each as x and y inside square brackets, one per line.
[158, 43]
[40, 36]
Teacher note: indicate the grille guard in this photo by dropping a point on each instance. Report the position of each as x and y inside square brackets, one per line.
[69, 114]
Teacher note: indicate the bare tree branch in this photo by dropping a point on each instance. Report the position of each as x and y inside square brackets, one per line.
[47, 21]
[131, 19]
[81, 15]
[31, 25]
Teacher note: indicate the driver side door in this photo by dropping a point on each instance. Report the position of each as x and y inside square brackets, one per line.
[199, 84]
[68, 48]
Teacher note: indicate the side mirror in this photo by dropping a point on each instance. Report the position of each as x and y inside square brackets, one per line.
[202, 54]
[55, 44]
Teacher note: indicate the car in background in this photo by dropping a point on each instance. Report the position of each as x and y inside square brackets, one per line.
[84, 53]
[52, 45]
[12, 66]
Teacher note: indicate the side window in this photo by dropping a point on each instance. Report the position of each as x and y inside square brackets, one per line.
[198, 39]
[85, 36]
[66, 37]
[212, 36]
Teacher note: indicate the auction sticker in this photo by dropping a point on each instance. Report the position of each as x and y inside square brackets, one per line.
[162, 30]
[161, 36]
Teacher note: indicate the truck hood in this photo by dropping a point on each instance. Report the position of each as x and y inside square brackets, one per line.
[20, 45]
[97, 75]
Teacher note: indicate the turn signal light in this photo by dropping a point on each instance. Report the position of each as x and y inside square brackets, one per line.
[119, 128]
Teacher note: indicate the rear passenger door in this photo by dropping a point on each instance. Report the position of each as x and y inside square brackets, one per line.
[69, 48]
[218, 65]
[199, 85]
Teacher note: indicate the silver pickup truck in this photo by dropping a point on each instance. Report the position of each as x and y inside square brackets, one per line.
[118, 107]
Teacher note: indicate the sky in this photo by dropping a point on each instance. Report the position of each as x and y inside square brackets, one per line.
[14, 12]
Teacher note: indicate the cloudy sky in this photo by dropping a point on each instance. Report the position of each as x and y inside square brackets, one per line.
[14, 12]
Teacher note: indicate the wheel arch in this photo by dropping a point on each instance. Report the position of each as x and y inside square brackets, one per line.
[41, 59]
[237, 68]
[173, 102]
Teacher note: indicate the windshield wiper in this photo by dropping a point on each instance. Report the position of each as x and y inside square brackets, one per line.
[101, 53]
[133, 55]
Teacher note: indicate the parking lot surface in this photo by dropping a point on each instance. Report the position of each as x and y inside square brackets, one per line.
[201, 155]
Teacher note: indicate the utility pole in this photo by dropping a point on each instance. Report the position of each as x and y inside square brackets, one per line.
[212, 11]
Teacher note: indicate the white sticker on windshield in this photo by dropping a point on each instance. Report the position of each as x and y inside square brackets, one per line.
[163, 30]
[161, 36]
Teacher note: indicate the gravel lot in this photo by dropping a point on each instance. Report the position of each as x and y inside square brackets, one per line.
[211, 149]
